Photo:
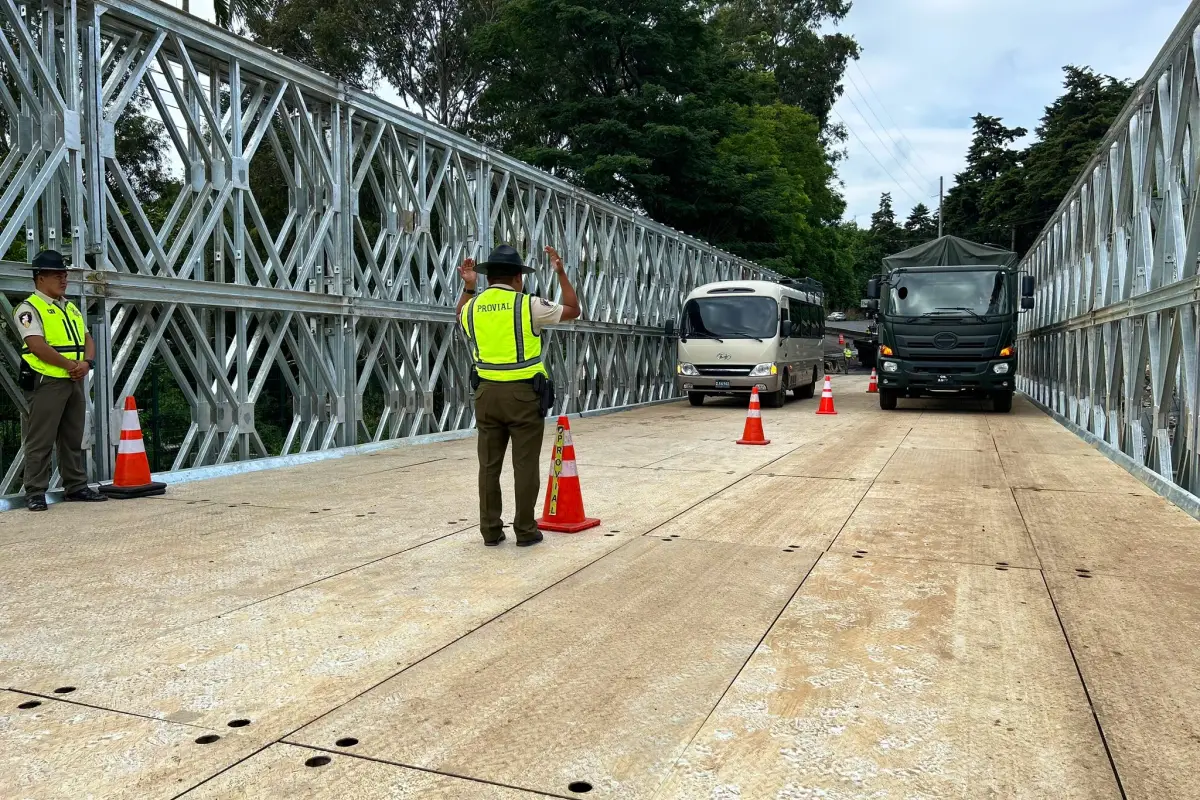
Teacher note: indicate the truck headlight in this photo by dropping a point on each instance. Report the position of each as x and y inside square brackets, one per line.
[763, 370]
[688, 369]
[1000, 369]
[891, 366]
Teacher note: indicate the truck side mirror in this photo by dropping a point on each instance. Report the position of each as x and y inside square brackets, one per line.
[785, 329]
[669, 329]
[873, 306]
[1026, 303]
[1027, 287]
[873, 289]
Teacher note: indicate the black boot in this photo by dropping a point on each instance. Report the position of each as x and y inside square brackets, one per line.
[530, 541]
[36, 502]
[86, 495]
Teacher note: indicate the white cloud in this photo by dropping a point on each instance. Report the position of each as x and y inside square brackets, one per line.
[929, 65]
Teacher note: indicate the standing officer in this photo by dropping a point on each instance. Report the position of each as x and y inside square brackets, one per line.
[512, 389]
[57, 356]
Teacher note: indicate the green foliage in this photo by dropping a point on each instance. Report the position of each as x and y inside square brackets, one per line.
[1006, 196]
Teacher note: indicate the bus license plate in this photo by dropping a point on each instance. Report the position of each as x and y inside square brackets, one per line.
[722, 384]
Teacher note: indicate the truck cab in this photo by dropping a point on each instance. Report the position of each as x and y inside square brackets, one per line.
[947, 322]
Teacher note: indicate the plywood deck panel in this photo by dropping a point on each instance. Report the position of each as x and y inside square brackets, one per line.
[769, 511]
[1115, 534]
[948, 439]
[941, 468]
[959, 523]
[1070, 473]
[286, 661]
[604, 678]
[896, 679]
[1136, 642]
[728, 456]
[280, 773]
[64, 751]
[834, 461]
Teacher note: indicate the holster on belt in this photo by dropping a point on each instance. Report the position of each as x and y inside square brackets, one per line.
[543, 387]
[26, 377]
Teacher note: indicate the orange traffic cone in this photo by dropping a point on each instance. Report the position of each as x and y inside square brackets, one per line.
[826, 406]
[873, 386]
[841, 340]
[132, 478]
[563, 511]
[753, 432]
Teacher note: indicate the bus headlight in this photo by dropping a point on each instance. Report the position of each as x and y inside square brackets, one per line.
[891, 366]
[763, 369]
[1000, 369]
[688, 369]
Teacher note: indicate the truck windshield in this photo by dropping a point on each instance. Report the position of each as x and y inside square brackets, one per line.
[916, 294]
[748, 317]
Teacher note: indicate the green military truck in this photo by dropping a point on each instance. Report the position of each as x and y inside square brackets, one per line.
[946, 316]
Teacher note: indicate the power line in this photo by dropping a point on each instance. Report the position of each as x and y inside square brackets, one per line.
[888, 114]
[871, 153]
[917, 179]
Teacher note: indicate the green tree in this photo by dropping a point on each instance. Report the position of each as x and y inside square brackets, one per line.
[989, 158]
[921, 226]
[337, 37]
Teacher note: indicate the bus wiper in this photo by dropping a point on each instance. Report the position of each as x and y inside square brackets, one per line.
[970, 311]
[704, 335]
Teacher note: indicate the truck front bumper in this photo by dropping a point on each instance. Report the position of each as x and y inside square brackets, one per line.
[730, 385]
[914, 377]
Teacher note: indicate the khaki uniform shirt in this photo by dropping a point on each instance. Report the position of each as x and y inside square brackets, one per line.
[29, 322]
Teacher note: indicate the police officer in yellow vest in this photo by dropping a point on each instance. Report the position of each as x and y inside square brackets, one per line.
[57, 355]
[504, 326]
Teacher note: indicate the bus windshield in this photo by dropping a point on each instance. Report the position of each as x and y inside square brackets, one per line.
[746, 317]
[918, 294]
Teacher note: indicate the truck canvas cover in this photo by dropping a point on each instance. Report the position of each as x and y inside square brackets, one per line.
[950, 251]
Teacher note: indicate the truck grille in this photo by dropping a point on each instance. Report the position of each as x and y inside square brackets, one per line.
[725, 370]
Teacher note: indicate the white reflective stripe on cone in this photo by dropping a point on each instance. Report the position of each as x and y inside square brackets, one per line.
[569, 470]
[129, 446]
[567, 440]
[755, 413]
[129, 421]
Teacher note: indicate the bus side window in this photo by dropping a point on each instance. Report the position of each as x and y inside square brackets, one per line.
[796, 314]
[820, 320]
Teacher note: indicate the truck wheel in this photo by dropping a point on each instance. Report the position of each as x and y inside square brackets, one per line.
[696, 398]
[888, 398]
[1002, 402]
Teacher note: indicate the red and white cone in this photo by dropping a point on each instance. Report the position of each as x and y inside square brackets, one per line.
[563, 511]
[826, 406]
[753, 432]
[873, 386]
[132, 478]
[841, 340]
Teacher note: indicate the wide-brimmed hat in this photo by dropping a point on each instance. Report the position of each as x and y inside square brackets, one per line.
[504, 262]
[49, 261]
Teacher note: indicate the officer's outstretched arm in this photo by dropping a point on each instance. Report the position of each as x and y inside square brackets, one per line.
[570, 301]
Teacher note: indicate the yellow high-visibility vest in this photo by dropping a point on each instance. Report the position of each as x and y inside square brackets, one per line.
[500, 325]
[64, 331]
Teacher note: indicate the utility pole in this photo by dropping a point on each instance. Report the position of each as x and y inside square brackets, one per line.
[941, 195]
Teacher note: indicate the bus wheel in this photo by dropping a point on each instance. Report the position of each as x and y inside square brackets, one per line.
[696, 398]
[807, 392]
[775, 399]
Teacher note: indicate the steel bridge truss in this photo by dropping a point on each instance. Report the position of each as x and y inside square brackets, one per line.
[311, 240]
[1112, 344]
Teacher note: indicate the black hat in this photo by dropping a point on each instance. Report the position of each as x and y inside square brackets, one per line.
[48, 261]
[504, 262]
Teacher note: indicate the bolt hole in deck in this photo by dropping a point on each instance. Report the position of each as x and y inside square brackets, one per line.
[30, 704]
[317, 761]
[208, 738]
[579, 787]
[349, 741]
[238, 723]
[64, 690]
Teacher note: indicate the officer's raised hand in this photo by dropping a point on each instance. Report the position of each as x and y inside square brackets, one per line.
[467, 272]
[555, 260]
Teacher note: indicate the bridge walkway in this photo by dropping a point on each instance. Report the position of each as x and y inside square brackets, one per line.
[926, 603]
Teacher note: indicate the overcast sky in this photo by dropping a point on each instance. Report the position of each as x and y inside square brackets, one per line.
[928, 66]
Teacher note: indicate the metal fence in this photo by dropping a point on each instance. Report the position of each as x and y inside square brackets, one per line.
[293, 291]
[1112, 345]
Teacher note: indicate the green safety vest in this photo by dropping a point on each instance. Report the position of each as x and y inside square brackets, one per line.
[64, 331]
[500, 325]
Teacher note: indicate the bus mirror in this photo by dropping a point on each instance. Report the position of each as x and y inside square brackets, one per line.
[670, 329]
[1027, 287]
[1026, 303]
[785, 329]
[873, 289]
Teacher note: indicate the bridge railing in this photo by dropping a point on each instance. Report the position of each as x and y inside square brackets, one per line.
[295, 286]
[1112, 344]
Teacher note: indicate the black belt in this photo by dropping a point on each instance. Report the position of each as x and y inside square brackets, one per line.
[523, 380]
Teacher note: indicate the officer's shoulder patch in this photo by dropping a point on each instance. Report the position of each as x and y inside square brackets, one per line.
[26, 318]
[545, 303]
